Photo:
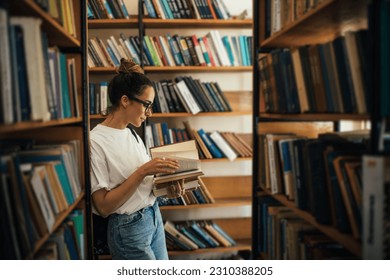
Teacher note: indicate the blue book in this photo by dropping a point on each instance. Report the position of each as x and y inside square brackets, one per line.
[24, 94]
[325, 76]
[108, 8]
[242, 44]
[70, 241]
[204, 235]
[228, 47]
[167, 9]
[344, 72]
[65, 184]
[215, 152]
[165, 133]
[124, 9]
[67, 112]
[150, 8]
[92, 109]
[175, 51]
[148, 53]
[191, 236]
[89, 12]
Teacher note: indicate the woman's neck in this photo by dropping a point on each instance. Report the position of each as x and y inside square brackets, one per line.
[113, 121]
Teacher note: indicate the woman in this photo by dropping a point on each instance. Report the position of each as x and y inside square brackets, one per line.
[122, 172]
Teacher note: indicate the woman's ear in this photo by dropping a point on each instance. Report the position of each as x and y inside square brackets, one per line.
[124, 101]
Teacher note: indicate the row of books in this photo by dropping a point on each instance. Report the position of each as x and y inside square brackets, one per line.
[322, 176]
[209, 50]
[108, 9]
[37, 185]
[210, 145]
[322, 78]
[197, 9]
[280, 13]
[200, 195]
[192, 235]
[184, 94]
[67, 241]
[62, 12]
[284, 235]
[38, 82]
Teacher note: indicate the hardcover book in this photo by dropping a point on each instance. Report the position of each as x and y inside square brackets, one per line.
[186, 154]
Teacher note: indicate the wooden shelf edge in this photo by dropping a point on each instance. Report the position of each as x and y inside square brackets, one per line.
[314, 117]
[347, 240]
[37, 124]
[242, 245]
[219, 203]
[109, 70]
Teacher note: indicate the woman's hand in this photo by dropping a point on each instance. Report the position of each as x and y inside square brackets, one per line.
[160, 165]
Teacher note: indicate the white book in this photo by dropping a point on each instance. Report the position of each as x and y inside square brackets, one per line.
[213, 50]
[103, 98]
[223, 145]
[114, 50]
[164, 44]
[118, 48]
[35, 66]
[234, 51]
[149, 142]
[197, 15]
[5, 71]
[189, 99]
[42, 198]
[220, 48]
[204, 50]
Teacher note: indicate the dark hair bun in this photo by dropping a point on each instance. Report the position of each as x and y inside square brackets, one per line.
[128, 66]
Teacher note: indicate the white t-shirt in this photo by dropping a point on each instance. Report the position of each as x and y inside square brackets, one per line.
[115, 155]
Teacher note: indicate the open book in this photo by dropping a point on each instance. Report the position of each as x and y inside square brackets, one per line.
[187, 155]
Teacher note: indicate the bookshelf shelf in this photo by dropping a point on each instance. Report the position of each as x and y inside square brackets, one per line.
[113, 23]
[225, 159]
[37, 124]
[169, 23]
[232, 202]
[314, 117]
[197, 23]
[56, 33]
[346, 240]
[319, 25]
[111, 70]
[242, 245]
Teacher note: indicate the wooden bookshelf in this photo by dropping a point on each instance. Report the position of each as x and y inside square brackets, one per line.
[113, 23]
[51, 131]
[322, 24]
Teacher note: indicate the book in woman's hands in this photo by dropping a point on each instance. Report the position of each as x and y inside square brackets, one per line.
[186, 154]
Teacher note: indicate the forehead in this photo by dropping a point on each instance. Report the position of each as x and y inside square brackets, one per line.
[148, 94]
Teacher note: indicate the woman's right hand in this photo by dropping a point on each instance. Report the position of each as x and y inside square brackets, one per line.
[160, 165]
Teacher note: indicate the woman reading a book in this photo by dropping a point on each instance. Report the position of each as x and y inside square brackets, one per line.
[122, 172]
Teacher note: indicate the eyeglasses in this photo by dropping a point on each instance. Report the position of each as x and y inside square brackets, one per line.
[146, 103]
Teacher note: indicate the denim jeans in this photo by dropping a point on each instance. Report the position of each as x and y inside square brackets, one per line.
[138, 236]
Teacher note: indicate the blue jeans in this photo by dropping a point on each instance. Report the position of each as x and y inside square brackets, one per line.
[138, 236]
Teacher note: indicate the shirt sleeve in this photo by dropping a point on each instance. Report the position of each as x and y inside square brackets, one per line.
[99, 169]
